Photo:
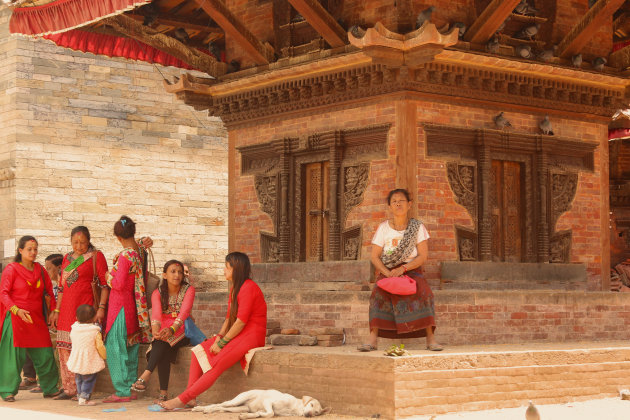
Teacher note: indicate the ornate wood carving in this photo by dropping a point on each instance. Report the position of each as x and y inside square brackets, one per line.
[494, 85]
[269, 247]
[218, 11]
[267, 194]
[489, 21]
[467, 244]
[351, 243]
[620, 58]
[136, 30]
[277, 167]
[560, 247]
[548, 170]
[586, 28]
[462, 178]
[563, 189]
[411, 49]
[321, 21]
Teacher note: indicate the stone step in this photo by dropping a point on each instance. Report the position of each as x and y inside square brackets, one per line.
[512, 276]
[464, 378]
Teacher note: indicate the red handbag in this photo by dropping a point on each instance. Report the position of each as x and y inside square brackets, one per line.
[403, 286]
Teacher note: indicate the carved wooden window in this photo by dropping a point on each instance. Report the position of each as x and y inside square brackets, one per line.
[308, 187]
[515, 188]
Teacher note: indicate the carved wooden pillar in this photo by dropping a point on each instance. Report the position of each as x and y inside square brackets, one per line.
[334, 238]
[284, 232]
[543, 227]
[485, 222]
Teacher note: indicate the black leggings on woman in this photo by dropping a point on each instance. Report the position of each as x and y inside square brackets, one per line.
[161, 356]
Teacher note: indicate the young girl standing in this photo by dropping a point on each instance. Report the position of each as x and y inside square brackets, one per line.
[87, 354]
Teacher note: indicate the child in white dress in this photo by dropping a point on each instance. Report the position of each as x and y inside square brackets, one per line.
[88, 352]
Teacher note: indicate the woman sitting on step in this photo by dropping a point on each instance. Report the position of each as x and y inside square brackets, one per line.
[171, 302]
[244, 328]
[399, 247]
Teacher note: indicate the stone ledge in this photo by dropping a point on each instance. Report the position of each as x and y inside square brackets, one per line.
[425, 383]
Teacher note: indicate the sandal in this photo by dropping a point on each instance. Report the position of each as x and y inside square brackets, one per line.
[62, 396]
[27, 383]
[366, 347]
[161, 404]
[116, 399]
[53, 395]
[9, 398]
[36, 390]
[161, 398]
[139, 383]
[435, 347]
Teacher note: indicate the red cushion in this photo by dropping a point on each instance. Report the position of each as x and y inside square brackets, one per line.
[404, 285]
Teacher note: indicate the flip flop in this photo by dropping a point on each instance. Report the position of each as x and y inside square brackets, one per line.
[366, 347]
[27, 383]
[36, 390]
[9, 398]
[53, 395]
[113, 410]
[435, 347]
[116, 399]
[162, 408]
[62, 396]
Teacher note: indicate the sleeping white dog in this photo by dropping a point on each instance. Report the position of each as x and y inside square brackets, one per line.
[266, 403]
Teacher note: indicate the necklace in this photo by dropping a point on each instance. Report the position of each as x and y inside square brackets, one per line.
[403, 227]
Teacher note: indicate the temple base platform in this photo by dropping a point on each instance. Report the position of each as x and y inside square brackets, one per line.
[460, 378]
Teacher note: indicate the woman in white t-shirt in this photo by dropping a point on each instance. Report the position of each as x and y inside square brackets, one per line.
[399, 247]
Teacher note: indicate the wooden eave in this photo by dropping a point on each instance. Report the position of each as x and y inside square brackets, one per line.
[272, 76]
[586, 28]
[489, 21]
[321, 21]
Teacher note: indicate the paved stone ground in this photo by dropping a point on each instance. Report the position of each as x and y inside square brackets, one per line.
[34, 407]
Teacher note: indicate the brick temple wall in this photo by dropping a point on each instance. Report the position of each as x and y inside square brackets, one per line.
[92, 138]
[435, 206]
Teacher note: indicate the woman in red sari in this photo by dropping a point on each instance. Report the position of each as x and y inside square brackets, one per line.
[23, 329]
[244, 328]
[78, 269]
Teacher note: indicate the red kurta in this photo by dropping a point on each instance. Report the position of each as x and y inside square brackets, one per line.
[77, 294]
[122, 294]
[16, 290]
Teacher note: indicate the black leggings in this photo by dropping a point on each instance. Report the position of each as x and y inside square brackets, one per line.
[161, 356]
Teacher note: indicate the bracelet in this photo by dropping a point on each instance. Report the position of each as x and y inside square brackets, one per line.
[155, 322]
[14, 309]
[173, 329]
[222, 342]
[102, 306]
[56, 310]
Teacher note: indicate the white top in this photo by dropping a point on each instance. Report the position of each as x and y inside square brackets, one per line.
[84, 356]
[388, 238]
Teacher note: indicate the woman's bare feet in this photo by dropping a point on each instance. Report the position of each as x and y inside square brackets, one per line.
[172, 404]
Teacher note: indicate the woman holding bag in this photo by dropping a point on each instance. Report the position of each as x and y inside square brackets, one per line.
[79, 269]
[399, 247]
[172, 302]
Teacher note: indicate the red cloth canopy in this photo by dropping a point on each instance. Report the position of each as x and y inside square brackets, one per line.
[63, 15]
[59, 20]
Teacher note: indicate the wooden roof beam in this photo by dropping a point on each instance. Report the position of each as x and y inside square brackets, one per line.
[232, 26]
[584, 30]
[489, 21]
[194, 58]
[321, 21]
[181, 23]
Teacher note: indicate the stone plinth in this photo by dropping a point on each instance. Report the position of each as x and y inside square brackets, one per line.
[425, 383]
[510, 276]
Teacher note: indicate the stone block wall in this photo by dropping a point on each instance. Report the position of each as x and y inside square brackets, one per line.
[92, 138]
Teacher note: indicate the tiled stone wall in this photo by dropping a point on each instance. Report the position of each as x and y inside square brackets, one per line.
[92, 138]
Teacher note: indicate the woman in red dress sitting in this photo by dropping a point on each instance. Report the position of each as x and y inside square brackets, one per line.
[244, 328]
